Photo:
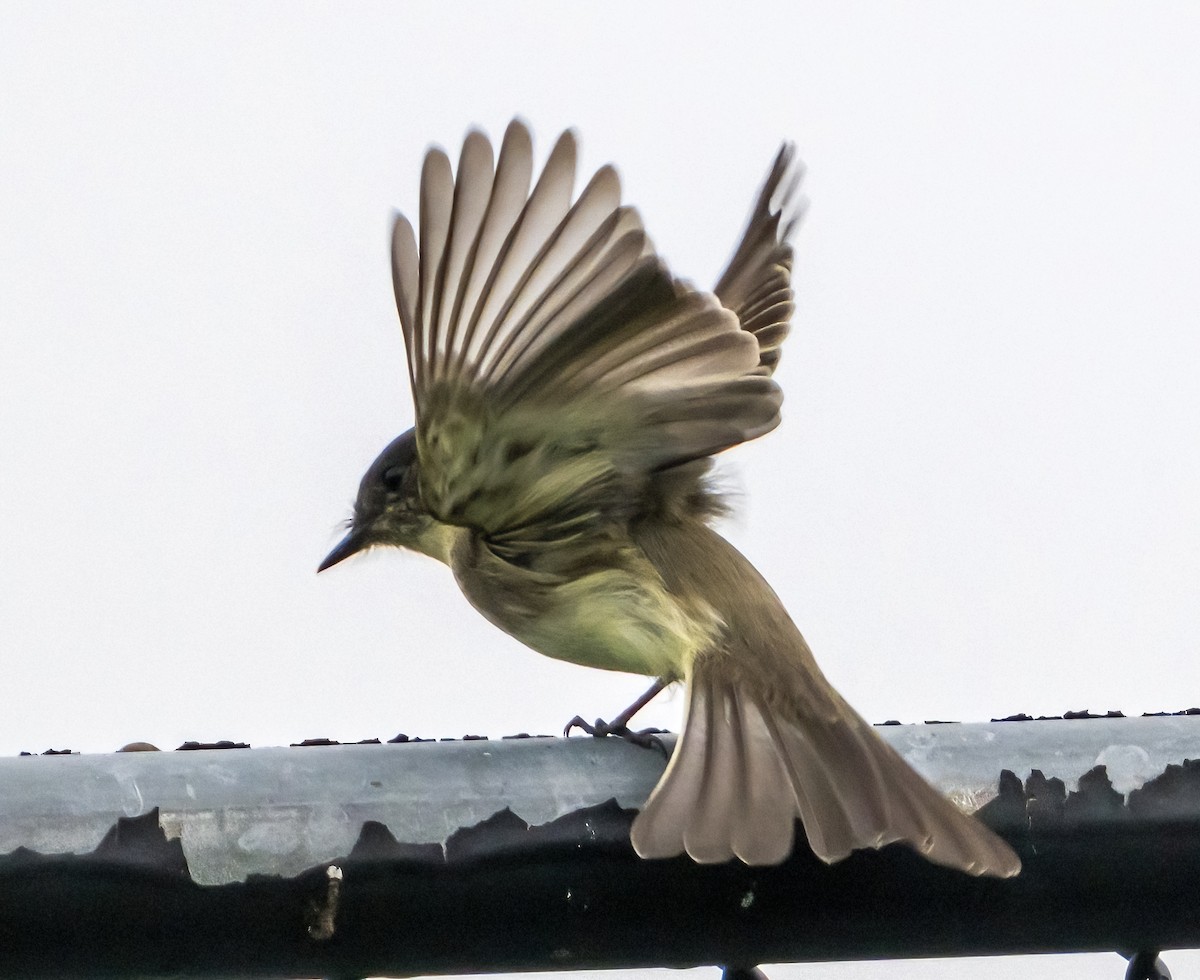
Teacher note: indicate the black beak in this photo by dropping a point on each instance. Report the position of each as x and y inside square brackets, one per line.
[353, 542]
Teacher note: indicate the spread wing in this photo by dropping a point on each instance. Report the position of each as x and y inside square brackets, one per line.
[555, 363]
[757, 283]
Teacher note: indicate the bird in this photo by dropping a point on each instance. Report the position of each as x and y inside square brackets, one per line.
[570, 394]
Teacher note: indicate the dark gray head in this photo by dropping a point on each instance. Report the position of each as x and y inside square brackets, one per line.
[388, 507]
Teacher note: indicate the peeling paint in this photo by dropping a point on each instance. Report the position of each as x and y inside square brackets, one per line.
[282, 811]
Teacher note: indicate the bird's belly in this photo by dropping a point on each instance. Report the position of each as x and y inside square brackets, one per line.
[626, 634]
[612, 619]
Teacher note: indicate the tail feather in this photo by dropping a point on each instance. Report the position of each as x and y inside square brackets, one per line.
[834, 828]
[743, 771]
[722, 750]
[765, 793]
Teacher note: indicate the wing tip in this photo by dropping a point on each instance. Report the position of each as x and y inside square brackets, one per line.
[517, 136]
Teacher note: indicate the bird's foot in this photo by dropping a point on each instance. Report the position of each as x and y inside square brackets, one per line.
[647, 738]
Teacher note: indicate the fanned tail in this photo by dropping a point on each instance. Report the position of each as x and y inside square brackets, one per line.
[745, 769]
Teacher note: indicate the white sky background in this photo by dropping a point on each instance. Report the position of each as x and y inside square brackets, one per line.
[983, 496]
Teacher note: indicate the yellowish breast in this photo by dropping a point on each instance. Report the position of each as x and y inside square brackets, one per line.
[613, 618]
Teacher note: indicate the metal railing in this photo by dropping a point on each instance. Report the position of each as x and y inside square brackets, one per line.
[506, 855]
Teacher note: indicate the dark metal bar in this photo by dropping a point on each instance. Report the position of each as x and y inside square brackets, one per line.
[513, 855]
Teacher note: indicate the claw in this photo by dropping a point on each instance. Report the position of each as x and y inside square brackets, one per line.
[647, 738]
[578, 722]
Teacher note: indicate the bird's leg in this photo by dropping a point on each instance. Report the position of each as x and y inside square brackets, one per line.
[619, 726]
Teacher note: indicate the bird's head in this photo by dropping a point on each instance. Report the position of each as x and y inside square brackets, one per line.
[388, 508]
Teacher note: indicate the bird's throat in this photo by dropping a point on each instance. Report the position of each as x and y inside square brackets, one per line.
[437, 540]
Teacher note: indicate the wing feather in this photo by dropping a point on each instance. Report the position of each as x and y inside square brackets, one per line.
[472, 191]
[405, 278]
[437, 193]
[756, 285]
[514, 170]
[555, 362]
[567, 261]
[602, 265]
[536, 224]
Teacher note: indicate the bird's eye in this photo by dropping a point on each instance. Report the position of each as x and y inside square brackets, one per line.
[393, 479]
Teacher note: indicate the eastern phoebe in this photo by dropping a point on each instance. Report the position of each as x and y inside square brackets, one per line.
[570, 393]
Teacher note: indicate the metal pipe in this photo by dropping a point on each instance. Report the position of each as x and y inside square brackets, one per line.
[514, 854]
